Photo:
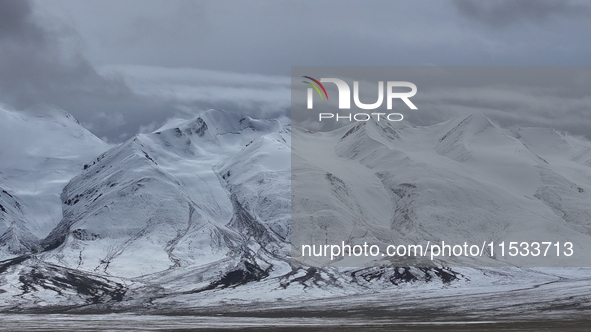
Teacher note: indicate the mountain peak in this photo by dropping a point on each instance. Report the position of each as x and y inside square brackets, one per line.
[54, 112]
[213, 122]
[479, 119]
[43, 131]
[470, 124]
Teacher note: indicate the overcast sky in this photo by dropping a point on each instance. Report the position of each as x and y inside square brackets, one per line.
[125, 66]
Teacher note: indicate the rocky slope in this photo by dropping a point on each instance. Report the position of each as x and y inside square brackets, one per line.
[199, 212]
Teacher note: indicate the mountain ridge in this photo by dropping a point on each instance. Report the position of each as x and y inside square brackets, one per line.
[200, 210]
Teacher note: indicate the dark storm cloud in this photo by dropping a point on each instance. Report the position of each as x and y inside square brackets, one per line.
[501, 13]
[36, 66]
[14, 21]
[41, 63]
[185, 56]
[268, 37]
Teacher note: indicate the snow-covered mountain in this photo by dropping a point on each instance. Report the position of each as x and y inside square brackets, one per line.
[462, 180]
[188, 196]
[41, 149]
[199, 212]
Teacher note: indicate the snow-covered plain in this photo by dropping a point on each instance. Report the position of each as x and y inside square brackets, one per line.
[196, 217]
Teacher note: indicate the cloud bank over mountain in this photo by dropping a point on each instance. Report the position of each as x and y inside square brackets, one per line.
[103, 61]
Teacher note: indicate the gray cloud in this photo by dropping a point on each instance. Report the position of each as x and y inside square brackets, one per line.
[552, 97]
[39, 65]
[14, 21]
[36, 66]
[502, 13]
[125, 66]
[549, 97]
[263, 95]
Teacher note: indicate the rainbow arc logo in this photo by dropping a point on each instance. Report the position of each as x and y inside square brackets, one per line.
[317, 86]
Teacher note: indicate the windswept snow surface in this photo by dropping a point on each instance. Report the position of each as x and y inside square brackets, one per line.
[197, 216]
[41, 150]
[175, 199]
[464, 180]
